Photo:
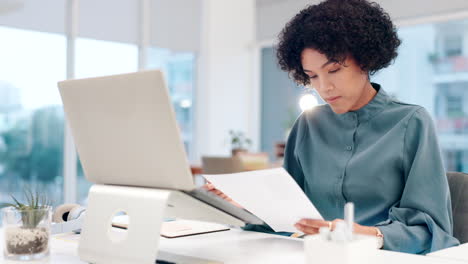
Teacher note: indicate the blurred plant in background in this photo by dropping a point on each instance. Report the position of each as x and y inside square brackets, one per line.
[239, 142]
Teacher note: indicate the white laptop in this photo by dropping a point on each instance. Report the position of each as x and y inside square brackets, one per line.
[126, 133]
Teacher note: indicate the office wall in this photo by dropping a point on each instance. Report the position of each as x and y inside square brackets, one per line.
[44, 15]
[175, 24]
[279, 102]
[114, 20]
[272, 15]
[225, 72]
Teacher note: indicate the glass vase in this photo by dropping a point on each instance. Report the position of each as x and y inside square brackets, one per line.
[26, 233]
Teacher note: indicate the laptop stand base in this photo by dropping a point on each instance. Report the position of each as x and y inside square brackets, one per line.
[102, 243]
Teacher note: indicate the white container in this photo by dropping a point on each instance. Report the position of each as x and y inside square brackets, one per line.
[362, 249]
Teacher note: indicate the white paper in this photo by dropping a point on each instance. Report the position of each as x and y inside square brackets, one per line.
[271, 194]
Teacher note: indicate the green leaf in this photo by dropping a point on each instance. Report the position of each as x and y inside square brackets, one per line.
[37, 199]
[3, 205]
[29, 198]
[18, 204]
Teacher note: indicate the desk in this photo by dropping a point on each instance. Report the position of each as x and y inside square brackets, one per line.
[234, 246]
[458, 253]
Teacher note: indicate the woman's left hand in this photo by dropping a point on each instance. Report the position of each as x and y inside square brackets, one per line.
[312, 226]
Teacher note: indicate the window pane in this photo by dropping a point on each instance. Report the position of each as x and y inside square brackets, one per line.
[178, 69]
[279, 104]
[31, 115]
[432, 71]
[97, 58]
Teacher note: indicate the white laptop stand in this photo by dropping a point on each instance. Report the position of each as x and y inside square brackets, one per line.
[146, 208]
[101, 243]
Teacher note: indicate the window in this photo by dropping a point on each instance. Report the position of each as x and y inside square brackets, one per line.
[279, 104]
[31, 64]
[435, 75]
[178, 69]
[453, 45]
[454, 105]
[456, 160]
[97, 58]
[31, 116]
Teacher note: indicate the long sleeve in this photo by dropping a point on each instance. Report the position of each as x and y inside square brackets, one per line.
[421, 222]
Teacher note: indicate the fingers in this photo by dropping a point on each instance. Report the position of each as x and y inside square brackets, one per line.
[306, 229]
[312, 226]
[216, 191]
[208, 186]
[222, 195]
[211, 188]
[334, 222]
[314, 223]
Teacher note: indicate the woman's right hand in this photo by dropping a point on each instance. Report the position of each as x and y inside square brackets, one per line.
[211, 188]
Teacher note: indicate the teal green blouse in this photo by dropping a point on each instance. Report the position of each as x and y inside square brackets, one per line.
[385, 159]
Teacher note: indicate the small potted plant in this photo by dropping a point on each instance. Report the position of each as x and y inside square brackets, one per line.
[27, 227]
[239, 142]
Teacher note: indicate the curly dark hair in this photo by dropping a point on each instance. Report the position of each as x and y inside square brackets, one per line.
[337, 29]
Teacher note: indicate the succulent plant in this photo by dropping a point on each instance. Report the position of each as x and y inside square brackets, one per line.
[31, 213]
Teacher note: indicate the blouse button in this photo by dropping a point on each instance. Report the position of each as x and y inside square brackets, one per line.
[349, 148]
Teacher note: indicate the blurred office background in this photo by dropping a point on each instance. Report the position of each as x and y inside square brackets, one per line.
[218, 57]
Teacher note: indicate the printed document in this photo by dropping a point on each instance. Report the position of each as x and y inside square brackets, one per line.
[272, 195]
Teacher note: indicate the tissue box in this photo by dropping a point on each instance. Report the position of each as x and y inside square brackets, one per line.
[360, 250]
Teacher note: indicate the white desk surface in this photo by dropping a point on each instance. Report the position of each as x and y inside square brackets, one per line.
[458, 253]
[236, 246]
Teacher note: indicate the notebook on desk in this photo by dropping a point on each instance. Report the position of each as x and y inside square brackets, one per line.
[177, 227]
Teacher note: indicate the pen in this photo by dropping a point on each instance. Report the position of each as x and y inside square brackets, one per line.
[349, 220]
[298, 235]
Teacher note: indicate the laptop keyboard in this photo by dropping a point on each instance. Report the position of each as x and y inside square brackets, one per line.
[225, 206]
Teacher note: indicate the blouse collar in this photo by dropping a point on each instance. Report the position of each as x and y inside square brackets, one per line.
[372, 108]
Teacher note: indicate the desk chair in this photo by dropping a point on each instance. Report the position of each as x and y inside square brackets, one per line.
[238, 163]
[220, 165]
[254, 161]
[458, 184]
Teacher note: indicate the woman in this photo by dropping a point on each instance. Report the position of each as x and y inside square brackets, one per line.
[363, 146]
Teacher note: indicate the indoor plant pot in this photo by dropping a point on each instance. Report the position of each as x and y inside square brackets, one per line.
[26, 228]
[236, 151]
[26, 233]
